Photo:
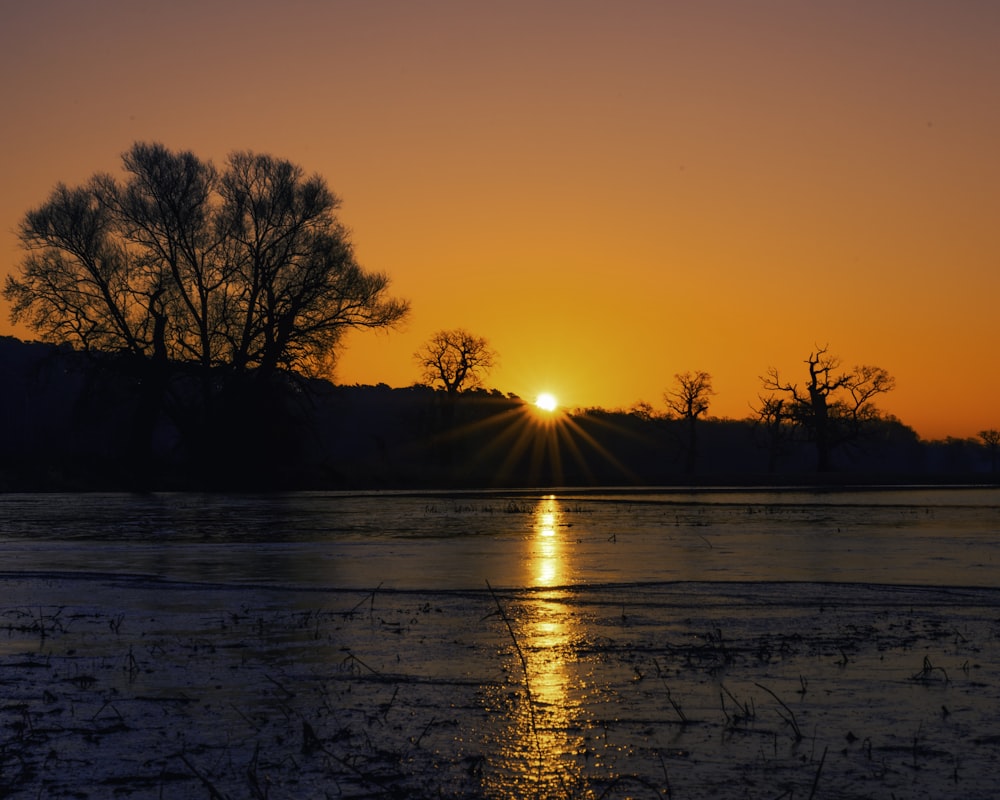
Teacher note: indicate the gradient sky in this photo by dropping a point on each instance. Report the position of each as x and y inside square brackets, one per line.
[611, 193]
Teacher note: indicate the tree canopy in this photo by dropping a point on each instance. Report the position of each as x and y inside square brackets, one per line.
[455, 359]
[835, 406]
[689, 398]
[245, 267]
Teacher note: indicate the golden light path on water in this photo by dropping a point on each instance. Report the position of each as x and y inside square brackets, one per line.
[546, 745]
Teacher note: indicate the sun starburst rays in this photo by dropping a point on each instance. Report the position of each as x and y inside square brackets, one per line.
[522, 447]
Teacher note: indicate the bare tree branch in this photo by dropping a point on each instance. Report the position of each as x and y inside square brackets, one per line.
[455, 359]
[246, 269]
[832, 407]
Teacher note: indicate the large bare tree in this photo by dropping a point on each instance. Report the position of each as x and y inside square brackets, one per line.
[834, 404]
[456, 360]
[246, 268]
[239, 272]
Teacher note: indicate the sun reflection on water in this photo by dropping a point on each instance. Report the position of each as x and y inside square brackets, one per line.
[543, 745]
[545, 556]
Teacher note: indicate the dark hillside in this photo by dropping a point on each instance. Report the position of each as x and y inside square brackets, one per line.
[71, 421]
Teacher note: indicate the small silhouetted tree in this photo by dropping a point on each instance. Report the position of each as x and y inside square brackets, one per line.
[455, 360]
[689, 399]
[772, 417]
[643, 411]
[991, 438]
[834, 405]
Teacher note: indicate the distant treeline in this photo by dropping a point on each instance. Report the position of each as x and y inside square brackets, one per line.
[72, 421]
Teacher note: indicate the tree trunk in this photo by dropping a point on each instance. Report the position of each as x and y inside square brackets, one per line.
[821, 432]
[691, 461]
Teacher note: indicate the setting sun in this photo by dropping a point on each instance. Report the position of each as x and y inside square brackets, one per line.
[547, 402]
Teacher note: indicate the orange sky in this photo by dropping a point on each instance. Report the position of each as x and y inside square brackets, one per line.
[611, 193]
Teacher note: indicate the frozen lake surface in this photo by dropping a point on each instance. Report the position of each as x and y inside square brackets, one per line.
[705, 644]
[935, 537]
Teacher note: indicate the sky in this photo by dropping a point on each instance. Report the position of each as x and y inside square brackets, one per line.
[610, 192]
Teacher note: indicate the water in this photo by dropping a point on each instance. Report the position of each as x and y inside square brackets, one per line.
[501, 644]
[438, 541]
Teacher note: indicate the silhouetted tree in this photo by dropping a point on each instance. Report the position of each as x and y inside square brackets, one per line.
[834, 406]
[247, 269]
[243, 270]
[991, 438]
[456, 360]
[689, 399]
[772, 416]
